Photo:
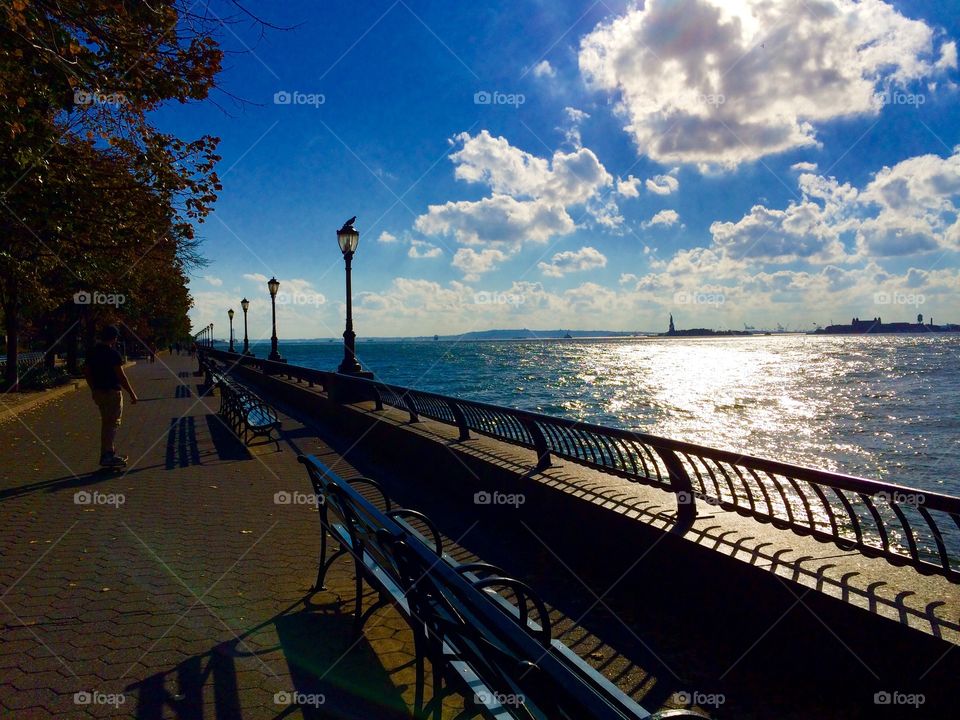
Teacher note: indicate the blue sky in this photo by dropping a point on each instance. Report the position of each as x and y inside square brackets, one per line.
[586, 165]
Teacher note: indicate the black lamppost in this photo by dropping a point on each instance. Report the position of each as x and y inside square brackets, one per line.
[245, 304]
[348, 238]
[210, 335]
[273, 285]
[230, 315]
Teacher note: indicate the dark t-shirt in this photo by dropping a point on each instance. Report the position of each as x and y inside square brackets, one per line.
[103, 361]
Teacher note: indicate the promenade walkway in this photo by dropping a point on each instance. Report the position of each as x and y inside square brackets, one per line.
[175, 589]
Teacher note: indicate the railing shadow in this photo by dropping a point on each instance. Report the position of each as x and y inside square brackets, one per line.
[333, 673]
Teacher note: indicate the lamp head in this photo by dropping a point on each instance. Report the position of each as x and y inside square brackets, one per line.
[273, 285]
[245, 304]
[230, 313]
[348, 237]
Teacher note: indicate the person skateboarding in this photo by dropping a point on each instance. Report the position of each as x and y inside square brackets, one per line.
[104, 373]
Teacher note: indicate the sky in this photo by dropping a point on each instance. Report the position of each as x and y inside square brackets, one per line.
[545, 164]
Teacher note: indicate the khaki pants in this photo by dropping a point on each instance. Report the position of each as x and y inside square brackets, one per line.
[110, 403]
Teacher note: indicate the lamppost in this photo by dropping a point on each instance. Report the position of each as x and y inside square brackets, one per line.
[348, 238]
[245, 304]
[230, 315]
[273, 285]
[210, 335]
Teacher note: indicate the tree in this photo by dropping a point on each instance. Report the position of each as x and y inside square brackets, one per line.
[88, 184]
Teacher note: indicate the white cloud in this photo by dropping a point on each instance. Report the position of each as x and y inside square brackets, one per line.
[215, 281]
[255, 277]
[528, 204]
[664, 217]
[387, 237]
[718, 83]
[804, 167]
[498, 219]
[628, 187]
[474, 263]
[662, 184]
[544, 69]
[586, 258]
[799, 232]
[421, 249]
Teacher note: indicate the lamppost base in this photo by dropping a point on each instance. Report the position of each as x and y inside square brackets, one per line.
[274, 357]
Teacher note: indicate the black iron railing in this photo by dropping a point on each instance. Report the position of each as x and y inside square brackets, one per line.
[905, 525]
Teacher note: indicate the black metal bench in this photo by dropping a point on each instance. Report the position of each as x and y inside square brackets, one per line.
[245, 412]
[488, 634]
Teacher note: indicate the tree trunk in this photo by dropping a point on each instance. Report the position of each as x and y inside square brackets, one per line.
[11, 314]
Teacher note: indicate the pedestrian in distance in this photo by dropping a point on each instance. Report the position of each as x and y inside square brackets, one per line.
[106, 379]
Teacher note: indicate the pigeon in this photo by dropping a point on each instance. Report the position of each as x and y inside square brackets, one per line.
[349, 223]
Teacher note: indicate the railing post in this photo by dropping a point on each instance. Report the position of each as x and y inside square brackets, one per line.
[461, 420]
[681, 486]
[539, 444]
[408, 403]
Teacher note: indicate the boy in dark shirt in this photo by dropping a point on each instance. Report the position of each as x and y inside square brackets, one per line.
[105, 376]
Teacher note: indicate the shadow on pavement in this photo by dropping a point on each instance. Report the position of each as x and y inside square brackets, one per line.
[335, 674]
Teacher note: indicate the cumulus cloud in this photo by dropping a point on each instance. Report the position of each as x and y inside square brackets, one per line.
[421, 250]
[544, 69]
[586, 258]
[215, 281]
[628, 187]
[908, 209]
[387, 237]
[662, 184]
[664, 217]
[804, 167]
[720, 83]
[473, 263]
[529, 201]
[255, 277]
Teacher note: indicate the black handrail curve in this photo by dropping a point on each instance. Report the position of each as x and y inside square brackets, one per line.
[904, 525]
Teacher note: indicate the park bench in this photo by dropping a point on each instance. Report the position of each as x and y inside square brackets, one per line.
[487, 633]
[25, 361]
[243, 410]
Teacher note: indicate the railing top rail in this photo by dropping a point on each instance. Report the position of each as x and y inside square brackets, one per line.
[932, 500]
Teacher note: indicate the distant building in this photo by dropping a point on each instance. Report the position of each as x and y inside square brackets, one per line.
[672, 330]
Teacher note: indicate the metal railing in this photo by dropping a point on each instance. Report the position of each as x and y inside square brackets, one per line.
[904, 525]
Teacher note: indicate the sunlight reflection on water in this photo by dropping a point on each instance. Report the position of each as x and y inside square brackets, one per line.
[878, 406]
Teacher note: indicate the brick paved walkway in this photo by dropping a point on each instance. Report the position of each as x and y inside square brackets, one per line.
[175, 589]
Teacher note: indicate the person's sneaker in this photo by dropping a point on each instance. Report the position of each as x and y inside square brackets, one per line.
[113, 460]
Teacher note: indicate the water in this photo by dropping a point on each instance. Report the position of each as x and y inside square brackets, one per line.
[882, 407]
